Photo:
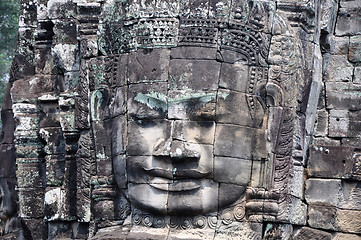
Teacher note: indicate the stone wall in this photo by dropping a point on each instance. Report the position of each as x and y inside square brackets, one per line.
[67, 94]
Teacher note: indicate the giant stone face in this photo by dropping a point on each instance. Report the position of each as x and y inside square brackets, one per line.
[194, 132]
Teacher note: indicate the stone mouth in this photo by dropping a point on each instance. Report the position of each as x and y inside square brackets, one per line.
[178, 185]
[176, 174]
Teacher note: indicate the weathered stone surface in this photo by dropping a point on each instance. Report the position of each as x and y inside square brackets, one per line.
[347, 21]
[343, 96]
[331, 161]
[328, 15]
[349, 221]
[354, 51]
[184, 120]
[345, 236]
[309, 233]
[234, 141]
[323, 191]
[196, 74]
[321, 125]
[148, 65]
[323, 217]
[339, 69]
[357, 75]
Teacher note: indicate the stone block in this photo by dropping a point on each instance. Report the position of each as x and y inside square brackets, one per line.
[349, 3]
[28, 151]
[37, 228]
[239, 173]
[339, 45]
[35, 85]
[120, 76]
[339, 69]
[118, 102]
[30, 175]
[354, 51]
[59, 204]
[104, 167]
[148, 65]
[357, 75]
[323, 191]
[55, 170]
[59, 9]
[345, 236]
[241, 230]
[148, 196]
[351, 195]
[348, 21]
[234, 141]
[120, 171]
[118, 135]
[61, 53]
[31, 202]
[306, 233]
[190, 52]
[188, 202]
[54, 140]
[49, 114]
[59, 230]
[349, 221]
[102, 140]
[28, 14]
[330, 161]
[323, 217]
[343, 96]
[297, 181]
[297, 211]
[103, 210]
[234, 76]
[65, 31]
[321, 125]
[194, 74]
[338, 123]
[357, 165]
[227, 113]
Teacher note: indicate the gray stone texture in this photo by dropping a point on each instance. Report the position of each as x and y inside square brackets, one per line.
[183, 120]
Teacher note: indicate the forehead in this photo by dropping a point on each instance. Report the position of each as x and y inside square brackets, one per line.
[195, 68]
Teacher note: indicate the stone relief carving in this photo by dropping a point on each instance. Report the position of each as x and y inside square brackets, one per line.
[186, 147]
[168, 119]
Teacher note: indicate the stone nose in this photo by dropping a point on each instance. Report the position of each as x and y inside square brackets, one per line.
[176, 150]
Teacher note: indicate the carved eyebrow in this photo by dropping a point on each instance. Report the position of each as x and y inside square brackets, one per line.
[153, 100]
[156, 100]
[204, 98]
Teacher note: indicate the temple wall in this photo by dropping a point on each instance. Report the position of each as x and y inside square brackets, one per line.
[57, 145]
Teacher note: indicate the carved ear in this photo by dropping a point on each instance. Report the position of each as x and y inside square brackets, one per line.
[274, 95]
[98, 102]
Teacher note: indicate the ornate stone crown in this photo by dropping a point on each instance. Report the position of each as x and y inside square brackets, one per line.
[240, 26]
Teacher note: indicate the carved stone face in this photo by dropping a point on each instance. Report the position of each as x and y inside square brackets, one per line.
[7, 201]
[191, 139]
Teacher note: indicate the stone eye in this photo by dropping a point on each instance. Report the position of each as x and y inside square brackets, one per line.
[206, 124]
[145, 123]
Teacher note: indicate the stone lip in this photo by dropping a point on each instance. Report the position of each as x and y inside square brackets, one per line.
[177, 174]
[178, 186]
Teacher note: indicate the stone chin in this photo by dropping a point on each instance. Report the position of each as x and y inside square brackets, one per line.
[208, 197]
